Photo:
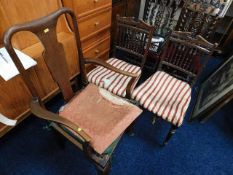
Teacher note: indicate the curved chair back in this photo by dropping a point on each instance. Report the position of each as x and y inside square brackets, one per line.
[54, 55]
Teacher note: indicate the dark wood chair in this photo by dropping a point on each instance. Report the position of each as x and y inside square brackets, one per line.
[131, 45]
[93, 119]
[167, 93]
[200, 18]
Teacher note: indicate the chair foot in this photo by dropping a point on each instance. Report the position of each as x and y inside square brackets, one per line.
[105, 170]
[61, 140]
[129, 130]
[170, 134]
[154, 119]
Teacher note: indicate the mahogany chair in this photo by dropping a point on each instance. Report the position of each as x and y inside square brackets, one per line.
[132, 42]
[167, 93]
[93, 119]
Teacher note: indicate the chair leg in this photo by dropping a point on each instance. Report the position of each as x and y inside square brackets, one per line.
[61, 140]
[130, 129]
[105, 170]
[170, 134]
[154, 119]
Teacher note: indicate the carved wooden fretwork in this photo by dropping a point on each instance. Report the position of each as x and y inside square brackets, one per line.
[161, 14]
[200, 17]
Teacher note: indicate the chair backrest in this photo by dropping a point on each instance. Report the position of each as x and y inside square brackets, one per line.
[162, 14]
[182, 54]
[54, 55]
[133, 38]
[200, 17]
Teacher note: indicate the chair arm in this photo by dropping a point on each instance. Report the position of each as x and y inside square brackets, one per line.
[40, 112]
[108, 66]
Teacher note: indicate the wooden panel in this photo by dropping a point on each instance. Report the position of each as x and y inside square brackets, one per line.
[97, 38]
[104, 56]
[118, 8]
[133, 7]
[11, 13]
[91, 25]
[86, 7]
[96, 50]
[14, 98]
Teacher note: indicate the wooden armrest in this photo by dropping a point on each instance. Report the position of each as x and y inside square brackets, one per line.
[40, 112]
[108, 66]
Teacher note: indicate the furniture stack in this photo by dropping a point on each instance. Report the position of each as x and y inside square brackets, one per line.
[94, 22]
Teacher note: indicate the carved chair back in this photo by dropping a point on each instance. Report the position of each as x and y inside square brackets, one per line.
[53, 54]
[200, 17]
[133, 38]
[181, 54]
[161, 14]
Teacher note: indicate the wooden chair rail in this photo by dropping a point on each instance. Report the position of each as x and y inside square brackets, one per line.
[129, 51]
[132, 82]
[130, 21]
[40, 112]
[108, 66]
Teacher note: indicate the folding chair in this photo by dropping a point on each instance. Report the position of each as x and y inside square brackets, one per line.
[93, 118]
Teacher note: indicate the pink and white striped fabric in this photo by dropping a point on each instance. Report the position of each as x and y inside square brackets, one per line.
[165, 96]
[110, 80]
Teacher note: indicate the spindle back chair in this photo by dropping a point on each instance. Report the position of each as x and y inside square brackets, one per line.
[167, 93]
[132, 42]
[181, 54]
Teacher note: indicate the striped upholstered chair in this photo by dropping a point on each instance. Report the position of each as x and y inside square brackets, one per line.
[132, 42]
[167, 93]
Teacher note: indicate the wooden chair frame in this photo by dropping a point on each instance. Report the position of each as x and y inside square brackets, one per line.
[137, 45]
[176, 59]
[45, 30]
[191, 46]
[196, 20]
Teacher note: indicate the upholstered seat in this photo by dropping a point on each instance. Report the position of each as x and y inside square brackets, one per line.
[110, 80]
[165, 96]
[104, 125]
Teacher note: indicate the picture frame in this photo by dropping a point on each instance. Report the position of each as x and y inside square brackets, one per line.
[215, 91]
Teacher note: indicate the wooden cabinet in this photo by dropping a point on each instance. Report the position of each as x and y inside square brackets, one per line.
[94, 22]
[14, 95]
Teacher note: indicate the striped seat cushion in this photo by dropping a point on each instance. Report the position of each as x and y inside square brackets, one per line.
[110, 80]
[165, 96]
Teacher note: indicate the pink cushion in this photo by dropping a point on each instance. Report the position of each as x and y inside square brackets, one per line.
[165, 96]
[110, 80]
[103, 119]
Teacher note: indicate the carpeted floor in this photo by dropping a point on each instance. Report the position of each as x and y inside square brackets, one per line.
[31, 149]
